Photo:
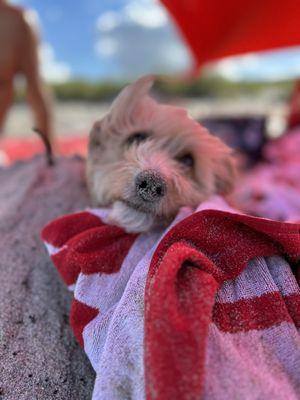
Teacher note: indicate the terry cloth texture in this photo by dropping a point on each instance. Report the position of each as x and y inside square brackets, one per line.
[208, 309]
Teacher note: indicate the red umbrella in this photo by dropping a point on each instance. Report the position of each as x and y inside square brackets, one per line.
[214, 29]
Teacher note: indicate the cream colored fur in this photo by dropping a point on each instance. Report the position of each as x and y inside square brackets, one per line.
[113, 165]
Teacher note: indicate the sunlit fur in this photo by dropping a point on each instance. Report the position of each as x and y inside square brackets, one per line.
[112, 165]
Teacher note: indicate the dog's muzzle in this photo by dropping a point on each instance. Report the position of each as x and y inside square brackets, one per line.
[150, 186]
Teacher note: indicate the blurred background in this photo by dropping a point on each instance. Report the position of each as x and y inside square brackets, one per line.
[90, 49]
[235, 68]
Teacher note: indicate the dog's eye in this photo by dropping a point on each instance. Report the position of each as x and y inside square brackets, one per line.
[95, 142]
[136, 138]
[187, 160]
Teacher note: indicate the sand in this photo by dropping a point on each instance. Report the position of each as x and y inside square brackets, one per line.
[78, 117]
[39, 357]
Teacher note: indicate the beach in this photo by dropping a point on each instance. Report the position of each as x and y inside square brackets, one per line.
[77, 117]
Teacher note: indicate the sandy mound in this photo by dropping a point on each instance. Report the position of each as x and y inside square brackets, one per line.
[39, 358]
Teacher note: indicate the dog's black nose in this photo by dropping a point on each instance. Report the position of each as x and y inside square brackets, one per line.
[150, 186]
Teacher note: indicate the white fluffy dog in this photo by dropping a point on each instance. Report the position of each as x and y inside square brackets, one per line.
[146, 160]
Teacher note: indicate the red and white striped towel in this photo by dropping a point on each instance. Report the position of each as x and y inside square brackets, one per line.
[208, 309]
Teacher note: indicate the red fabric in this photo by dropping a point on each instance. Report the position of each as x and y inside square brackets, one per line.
[294, 111]
[100, 249]
[258, 313]
[82, 243]
[215, 29]
[190, 264]
[58, 232]
[69, 273]
[87, 245]
[293, 305]
[20, 149]
[80, 316]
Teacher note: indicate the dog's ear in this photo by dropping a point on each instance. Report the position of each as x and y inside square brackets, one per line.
[95, 140]
[220, 160]
[132, 93]
[225, 173]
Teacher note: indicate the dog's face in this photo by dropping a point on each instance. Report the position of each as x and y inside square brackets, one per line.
[146, 160]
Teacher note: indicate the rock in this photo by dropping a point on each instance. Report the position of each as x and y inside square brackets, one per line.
[39, 357]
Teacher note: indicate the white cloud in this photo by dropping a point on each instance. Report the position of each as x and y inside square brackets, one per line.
[108, 21]
[140, 39]
[271, 66]
[107, 47]
[147, 13]
[53, 70]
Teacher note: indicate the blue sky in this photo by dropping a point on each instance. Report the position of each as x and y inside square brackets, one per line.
[69, 27]
[115, 39]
